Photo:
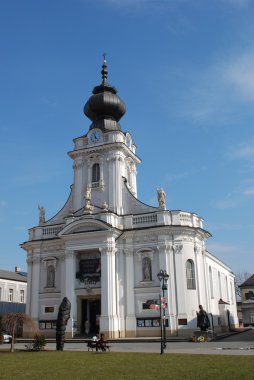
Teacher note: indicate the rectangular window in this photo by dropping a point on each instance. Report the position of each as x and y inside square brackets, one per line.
[89, 266]
[182, 322]
[49, 309]
[22, 296]
[150, 322]
[10, 295]
[47, 325]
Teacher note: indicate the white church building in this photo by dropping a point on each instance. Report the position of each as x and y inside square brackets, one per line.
[104, 248]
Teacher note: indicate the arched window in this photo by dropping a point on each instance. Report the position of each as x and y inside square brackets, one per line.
[96, 173]
[190, 275]
[211, 282]
[147, 269]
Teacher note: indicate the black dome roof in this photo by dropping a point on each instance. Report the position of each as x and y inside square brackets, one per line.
[104, 107]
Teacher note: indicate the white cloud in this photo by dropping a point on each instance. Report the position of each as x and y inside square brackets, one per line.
[226, 204]
[238, 3]
[244, 150]
[240, 73]
[221, 89]
[249, 192]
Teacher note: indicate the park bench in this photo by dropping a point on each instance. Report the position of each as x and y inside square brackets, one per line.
[97, 346]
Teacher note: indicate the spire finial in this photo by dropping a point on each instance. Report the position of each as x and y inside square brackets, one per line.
[104, 71]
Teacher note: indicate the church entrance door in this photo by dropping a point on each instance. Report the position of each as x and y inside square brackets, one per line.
[91, 311]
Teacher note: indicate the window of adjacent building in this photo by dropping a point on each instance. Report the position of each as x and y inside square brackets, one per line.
[96, 173]
[190, 275]
[211, 281]
[249, 295]
[22, 296]
[10, 295]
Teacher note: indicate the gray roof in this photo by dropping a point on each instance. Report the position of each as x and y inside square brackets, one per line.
[14, 276]
[248, 282]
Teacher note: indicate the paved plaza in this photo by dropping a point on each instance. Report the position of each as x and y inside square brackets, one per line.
[236, 344]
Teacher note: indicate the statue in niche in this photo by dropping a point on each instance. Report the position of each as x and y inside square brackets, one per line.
[62, 320]
[50, 276]
[41, 214]
[147, 270]
[161, 196]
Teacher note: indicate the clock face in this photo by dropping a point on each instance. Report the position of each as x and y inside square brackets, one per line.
[95, 136]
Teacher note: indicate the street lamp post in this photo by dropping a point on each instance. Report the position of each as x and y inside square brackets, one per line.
[163, 278]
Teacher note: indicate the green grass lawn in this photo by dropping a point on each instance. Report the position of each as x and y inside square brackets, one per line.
[119, 366]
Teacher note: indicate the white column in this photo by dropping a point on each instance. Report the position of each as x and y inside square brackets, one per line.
[29, 284]
[68, 288]
[108, 320]
[166, 262]
[176, 250]
[129, 294]
[34, 311]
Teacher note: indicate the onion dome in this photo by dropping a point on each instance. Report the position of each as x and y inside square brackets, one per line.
[104, 107]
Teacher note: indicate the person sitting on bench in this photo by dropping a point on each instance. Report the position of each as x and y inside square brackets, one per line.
[101, 344]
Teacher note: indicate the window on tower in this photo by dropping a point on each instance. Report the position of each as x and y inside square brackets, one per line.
[96, 173]
[190, 275]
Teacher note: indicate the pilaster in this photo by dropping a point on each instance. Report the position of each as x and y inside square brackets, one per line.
[35, 282]
[129, 293]
[68, 288]
[108, 320]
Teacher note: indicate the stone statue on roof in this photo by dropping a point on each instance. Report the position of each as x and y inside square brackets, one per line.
[41, 214]
[161, 196]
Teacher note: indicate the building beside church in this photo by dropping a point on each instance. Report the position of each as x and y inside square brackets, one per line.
[104, 248]
[13, 287]
[247, 297]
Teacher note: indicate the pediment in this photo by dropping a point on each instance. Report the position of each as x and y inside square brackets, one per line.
[83, 226]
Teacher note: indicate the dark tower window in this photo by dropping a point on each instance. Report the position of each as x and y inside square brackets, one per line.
[96, 173]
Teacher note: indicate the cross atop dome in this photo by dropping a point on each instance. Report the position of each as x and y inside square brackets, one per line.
[104, 107]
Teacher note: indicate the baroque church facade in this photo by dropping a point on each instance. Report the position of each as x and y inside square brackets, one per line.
[104, 248]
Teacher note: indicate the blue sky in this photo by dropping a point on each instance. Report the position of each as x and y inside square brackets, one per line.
[185, 69]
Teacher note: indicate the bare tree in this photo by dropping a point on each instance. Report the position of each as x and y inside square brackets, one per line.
[240, 277]
[15, 321]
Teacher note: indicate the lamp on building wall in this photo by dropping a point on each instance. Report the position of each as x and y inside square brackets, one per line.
[163, 278]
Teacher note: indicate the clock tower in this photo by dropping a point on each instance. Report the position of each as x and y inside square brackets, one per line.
[104, 158]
